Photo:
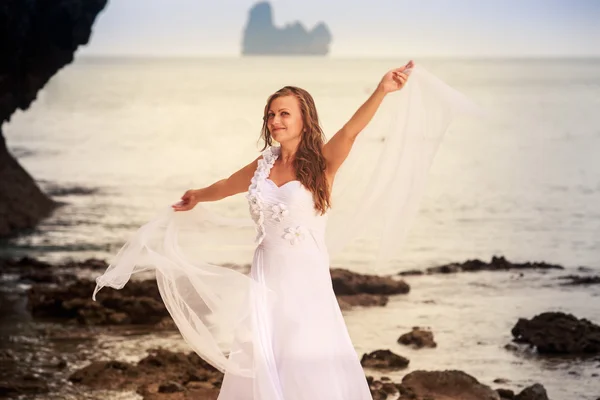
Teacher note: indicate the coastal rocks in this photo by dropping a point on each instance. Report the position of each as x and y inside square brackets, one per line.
[533, 392]
[350, 283]
[380, 390]
[573, 280]
[161, 375]
[361, 300]
[262, 37]
[58, 293]
[353, 289]
[384, 359]
[37, 39]
[138, 302]
[496, 264]
[418, 338]
[558, 333]
[446, 385]
[22, 385]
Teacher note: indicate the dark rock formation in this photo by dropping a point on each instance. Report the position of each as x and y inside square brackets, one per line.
[58, 293]
[418, 338]
[447, 385]
[139, 302]
[262, 37]
[22, 385]
[380, 390]
[496, 264]
[37, 38]
[156, 376]
[349, 283]
[166, 375]
[533, 392]
[353, 289]
[362, 300]
[580, 280]
[558, 333]
[384, 359]
[506, 394]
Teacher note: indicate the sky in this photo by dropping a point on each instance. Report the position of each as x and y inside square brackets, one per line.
[373, 28]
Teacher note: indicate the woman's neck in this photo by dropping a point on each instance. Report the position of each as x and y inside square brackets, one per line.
[288, 152]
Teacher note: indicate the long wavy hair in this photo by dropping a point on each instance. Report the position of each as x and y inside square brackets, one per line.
[309, 163]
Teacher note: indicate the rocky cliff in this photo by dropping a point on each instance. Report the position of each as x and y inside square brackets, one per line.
[37, 38]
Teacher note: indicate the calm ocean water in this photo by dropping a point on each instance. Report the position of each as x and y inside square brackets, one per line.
[117, 139]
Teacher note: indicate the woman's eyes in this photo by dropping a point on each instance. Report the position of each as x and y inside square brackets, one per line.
[272, 115]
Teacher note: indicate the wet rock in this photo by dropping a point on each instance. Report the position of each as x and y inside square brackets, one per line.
[558, 333]
[350, 283]
[362, 300]
[447, 385]
[496, 264]
[192, 391]
[27, 262]
[171, 387]
[32, 270]
[533, 392]
[411, 272]
[384, 359]
[138, 302]
[48, 276]
[108, 375]
[511, 347]
[353, 289]
[506, 394]
[20, 385]
[90, 263]
[579, 280]
[418, 338]
[161, 372]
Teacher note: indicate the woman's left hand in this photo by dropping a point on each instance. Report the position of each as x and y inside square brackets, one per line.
[395, 79]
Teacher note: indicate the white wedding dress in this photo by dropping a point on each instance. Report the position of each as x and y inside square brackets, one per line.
[277, 333]
[301, 348]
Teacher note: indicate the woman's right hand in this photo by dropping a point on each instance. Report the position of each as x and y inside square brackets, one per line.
[188, 201]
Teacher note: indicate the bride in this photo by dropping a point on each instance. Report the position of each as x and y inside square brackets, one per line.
[278, 333]
[303, 351]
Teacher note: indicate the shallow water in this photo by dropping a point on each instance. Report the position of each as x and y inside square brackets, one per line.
[117, 139]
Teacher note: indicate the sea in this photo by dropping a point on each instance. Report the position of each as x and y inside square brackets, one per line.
[116, 139]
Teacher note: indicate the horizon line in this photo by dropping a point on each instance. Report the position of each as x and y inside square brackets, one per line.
[340, 57]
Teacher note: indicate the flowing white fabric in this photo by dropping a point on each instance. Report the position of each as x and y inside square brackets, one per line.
[277, 332]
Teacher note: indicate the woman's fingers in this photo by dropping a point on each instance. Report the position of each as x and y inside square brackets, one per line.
[401, 79]
[185, 207]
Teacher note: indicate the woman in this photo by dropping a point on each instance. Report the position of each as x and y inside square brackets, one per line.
[278, 334]
[304, 351]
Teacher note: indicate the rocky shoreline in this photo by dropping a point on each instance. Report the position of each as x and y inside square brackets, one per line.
[58, 293]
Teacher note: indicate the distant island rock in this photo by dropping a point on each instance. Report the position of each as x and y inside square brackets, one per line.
[37, 38]
[262, 37]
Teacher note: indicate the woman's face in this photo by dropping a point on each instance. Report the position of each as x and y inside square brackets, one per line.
[284, 119]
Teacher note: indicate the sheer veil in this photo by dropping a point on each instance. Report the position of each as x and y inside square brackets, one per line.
[209, 302]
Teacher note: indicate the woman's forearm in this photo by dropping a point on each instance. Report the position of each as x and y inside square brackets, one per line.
[216, 191]
[364, 114]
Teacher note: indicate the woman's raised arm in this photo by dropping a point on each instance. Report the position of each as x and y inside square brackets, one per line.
[238, 182]
[338, 147]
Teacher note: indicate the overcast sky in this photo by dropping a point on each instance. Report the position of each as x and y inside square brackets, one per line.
[381, 28]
